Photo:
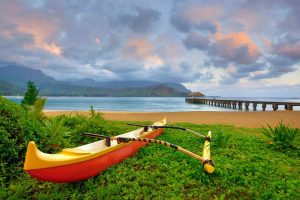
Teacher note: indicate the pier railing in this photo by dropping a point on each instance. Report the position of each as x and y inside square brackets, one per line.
[238, 104]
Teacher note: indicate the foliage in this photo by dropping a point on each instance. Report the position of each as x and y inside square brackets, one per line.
[80, 124]
[92, 111]
[38, 107]
[282, 135]
[31, 94]
[220, 139]
[56, 133]
[17, 128]
[246, 168]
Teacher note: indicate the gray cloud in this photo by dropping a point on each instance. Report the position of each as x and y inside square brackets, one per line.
[290, 23]
[229, 50]
[228, 80]
[139, 20]
[286, 55]
[207, 26]
[122, 66]
[239, 55]
[183, 73]
[288, 47]
[12, 38]
[243, 71]
[280, 61]
[197, 41]
[181, 21]
[274, 72]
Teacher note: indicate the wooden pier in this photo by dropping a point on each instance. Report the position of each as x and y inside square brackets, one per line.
[238, 104]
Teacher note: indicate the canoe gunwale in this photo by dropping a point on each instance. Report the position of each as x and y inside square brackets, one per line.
[35, 159]
[87, 169]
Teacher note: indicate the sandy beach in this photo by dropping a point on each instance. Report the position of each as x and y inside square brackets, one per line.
[239, 119]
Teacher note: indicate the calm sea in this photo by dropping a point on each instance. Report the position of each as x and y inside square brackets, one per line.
[138, 104]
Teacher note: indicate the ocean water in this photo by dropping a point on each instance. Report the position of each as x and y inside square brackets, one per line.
[140, 104]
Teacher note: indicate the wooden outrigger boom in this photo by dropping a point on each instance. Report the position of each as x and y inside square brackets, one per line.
[206, 160]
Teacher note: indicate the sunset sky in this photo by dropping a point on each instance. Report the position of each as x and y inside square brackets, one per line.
[227, 48]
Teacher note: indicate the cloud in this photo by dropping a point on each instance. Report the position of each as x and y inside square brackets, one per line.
[142, 50]
[186, 18]
[139, 20]
[288, 47]
[197, 41]
[235, 47]
[207, 26]
[273, 72]
[180, 21]
[39, 24]
[183, 72]
[290, 22]
[10, 37]
[225, 47]
[285, 56]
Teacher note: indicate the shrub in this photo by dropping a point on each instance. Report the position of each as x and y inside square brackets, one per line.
[80, 124]
[31, 94]
[282, 135]
[38, 107]
[92, 111]
[17, 128]
[220, 139]
[56, 133]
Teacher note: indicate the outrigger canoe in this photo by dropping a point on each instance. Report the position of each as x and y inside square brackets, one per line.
[83, 162]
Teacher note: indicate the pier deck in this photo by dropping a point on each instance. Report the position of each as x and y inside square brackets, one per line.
[235, 103]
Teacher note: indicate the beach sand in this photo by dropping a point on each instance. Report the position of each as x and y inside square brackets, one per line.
[239, 119]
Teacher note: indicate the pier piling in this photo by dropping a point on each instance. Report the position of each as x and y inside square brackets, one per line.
[254, 106]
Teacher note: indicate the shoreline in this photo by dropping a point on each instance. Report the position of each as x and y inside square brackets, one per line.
[238, 119]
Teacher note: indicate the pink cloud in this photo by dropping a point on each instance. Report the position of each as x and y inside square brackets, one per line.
[142, 50]
[204, 13]
[34, 22]
[291, 50]
[236, 47]
[42, 30]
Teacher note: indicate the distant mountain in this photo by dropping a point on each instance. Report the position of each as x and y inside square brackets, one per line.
[13, 80]
[19, 75]
[127, 84]
[10, 89]
[113, 84]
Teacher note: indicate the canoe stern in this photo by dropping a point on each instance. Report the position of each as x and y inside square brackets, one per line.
[31, 156]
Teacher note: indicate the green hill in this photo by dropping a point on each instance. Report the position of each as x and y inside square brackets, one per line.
[13, 80]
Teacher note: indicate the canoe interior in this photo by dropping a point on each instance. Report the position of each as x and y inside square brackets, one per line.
[87, 169]
[35, 159]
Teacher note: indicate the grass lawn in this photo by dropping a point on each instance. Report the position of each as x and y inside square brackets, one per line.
[247, 167]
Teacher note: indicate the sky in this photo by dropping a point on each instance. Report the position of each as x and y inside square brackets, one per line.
[243, 48]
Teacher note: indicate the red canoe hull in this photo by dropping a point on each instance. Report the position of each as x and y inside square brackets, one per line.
[87, 169]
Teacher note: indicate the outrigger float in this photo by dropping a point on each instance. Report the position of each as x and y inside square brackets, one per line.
[86, 161]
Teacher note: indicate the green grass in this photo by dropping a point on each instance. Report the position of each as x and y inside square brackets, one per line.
[247, 167]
